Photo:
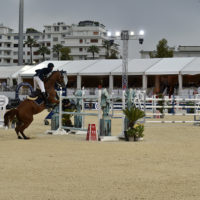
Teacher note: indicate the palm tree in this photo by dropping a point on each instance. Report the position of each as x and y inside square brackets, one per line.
[65, 51]
[57, 48]
[30, 42]
[113, 54]
[43, 50]
[107, 44]
[93, 49]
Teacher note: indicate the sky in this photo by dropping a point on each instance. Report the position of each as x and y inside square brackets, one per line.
[178, 21]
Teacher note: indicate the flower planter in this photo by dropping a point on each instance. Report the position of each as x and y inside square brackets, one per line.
[135, 139]
[139, 139]
[131, 139]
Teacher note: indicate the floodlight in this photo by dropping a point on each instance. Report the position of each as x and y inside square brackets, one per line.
[141, 32]
[117, 33]
[132, 33]
[109, 34]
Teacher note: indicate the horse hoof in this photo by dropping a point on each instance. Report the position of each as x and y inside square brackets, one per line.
[19, 137]
[27, 138]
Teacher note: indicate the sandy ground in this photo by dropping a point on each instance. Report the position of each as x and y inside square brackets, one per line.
[166, 165]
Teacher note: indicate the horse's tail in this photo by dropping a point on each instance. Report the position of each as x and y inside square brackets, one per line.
[9, 116]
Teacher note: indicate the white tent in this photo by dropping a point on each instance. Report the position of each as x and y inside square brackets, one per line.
[144, 67]
[8, 71]
[192, 68]
[136, 66]
[155, 66]
[168, 66]
[30, 72]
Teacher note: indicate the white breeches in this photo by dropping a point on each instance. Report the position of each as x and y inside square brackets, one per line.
[38, 83]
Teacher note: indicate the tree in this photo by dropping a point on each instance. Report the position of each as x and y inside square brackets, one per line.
[65, 51]
[163, 50]
[31, 30]
[113, 54]
[93, 49]
[107, 44]
[30, 42]
[43, 50]
[56, 49]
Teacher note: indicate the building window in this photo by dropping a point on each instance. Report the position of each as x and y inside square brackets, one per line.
[81, 41]
[55, 39]
[36, 37]
[28, 53]
[48, 36]
[8, 37]
[8, 45]
[94, 40]
[15, 61]
[0, 60]
[36, 53]
[8, 60]
[80, 49]
[15, 45]
[0, 36]
[16, 37]
[15, 53]
[56, 28]
[96, 33]
[0, 44]
[48, 44]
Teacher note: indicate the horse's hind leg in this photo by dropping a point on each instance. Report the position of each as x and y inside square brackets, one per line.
[23, 127]
[17, 130]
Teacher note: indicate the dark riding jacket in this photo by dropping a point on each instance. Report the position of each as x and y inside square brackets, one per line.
[42, 73]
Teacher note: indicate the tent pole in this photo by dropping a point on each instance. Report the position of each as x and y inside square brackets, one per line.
[180, 83]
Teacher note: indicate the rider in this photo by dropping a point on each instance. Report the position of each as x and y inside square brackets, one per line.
[39, 77]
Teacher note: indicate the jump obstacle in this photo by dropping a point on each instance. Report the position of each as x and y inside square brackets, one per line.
[141, 101]
[3, 104]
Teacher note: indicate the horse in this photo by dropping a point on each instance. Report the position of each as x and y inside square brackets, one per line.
[27, 108]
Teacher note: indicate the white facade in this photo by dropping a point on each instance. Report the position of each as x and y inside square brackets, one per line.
[77, 37]
[181, 51]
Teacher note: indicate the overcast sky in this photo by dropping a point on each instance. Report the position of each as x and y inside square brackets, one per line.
[176, 20]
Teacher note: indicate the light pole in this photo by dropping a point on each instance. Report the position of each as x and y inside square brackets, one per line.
[125, 36]
[20, 36]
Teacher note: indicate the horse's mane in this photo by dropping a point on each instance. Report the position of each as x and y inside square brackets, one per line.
[51, 75]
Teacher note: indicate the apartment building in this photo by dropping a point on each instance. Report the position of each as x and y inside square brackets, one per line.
[77, 37]
[180, 51]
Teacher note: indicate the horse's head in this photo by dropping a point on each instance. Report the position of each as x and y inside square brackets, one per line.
[58, 77]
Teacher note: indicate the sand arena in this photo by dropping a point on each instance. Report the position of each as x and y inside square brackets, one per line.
[163, 166]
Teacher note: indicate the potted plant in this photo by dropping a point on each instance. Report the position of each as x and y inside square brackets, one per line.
[134, 129]
[190, 110]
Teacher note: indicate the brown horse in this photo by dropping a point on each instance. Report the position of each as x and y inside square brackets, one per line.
[27, 108]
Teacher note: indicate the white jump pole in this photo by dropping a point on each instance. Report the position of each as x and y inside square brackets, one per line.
[99, 110]
[60, 131]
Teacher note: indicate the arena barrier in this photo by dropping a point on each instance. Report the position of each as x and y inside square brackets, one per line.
[177, 105]
[3, 104]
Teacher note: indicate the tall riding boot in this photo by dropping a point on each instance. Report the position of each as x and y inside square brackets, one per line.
[45, 100]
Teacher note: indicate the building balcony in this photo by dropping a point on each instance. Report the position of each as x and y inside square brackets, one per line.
[6, 56]
[6, 48]
[82, 44]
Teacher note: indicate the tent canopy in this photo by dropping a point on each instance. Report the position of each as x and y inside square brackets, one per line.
[155, 66]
